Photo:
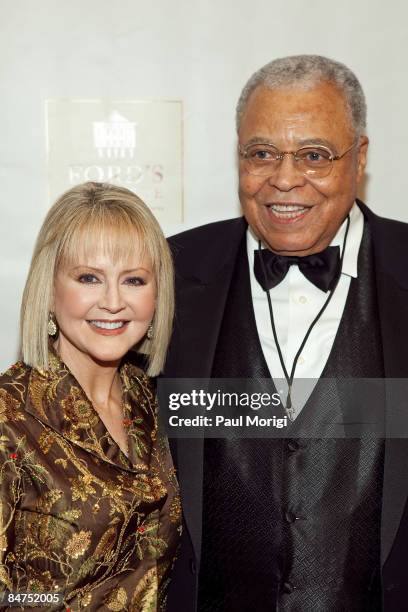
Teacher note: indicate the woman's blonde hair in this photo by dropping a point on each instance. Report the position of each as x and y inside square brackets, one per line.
[85, 218]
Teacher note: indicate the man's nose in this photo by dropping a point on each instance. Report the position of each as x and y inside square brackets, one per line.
[288, 174]
[111, 298]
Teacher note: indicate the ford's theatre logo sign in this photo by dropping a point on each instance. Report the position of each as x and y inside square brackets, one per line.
[115, 138]
[136, 144]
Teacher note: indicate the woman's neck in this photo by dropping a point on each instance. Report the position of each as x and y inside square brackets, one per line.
[99, 380]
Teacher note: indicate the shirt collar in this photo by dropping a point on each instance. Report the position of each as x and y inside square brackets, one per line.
[56, 399]
[354, 237]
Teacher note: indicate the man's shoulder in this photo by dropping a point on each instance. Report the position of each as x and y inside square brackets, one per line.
[381, 221]
[199, 236]
[204, 252]
[13, 391]
[384, 225]
[390, 242]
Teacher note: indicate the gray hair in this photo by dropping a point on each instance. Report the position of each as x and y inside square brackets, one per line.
[307, 71]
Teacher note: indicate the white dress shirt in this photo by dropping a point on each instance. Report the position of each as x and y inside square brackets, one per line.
[296, 302]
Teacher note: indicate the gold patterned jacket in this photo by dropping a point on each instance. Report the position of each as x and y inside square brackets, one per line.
[77, 516]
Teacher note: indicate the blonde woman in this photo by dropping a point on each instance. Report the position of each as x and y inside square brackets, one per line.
[89, 512]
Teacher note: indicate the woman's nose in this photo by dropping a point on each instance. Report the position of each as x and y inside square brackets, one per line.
[111, 298]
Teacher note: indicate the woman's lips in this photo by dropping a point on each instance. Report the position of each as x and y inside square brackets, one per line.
[287, 213]
[108, 328]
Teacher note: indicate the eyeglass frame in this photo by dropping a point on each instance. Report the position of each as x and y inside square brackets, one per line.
[243, 153]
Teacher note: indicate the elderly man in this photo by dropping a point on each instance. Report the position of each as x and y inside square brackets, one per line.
[308, 284]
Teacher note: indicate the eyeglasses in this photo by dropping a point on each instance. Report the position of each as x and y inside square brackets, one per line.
[264, 159]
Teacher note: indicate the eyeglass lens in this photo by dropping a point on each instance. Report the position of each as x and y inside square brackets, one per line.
[265, 159]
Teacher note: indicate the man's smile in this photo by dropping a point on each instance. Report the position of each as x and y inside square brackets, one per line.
[287, 213]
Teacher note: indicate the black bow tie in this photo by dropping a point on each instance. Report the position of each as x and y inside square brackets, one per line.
[321, 269]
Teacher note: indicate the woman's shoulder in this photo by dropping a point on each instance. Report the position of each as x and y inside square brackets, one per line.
[18, 369]
[13, 391]
[18, 373]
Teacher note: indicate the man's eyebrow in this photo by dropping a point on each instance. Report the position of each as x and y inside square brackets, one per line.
[316, 142]
[258, 140]
[301, 143]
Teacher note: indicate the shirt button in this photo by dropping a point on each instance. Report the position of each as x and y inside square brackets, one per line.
[110, 441]
[288, 587]
[303, 299]
[301, 360]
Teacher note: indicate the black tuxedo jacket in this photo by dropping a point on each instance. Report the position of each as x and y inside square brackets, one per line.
[204, 260]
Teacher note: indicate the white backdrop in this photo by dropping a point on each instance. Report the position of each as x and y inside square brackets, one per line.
[200, 51]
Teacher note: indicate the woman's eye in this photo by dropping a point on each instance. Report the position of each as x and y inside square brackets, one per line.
[88, 279]
[135, 280]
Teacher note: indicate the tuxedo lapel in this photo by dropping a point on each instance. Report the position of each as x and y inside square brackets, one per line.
[390, 242]
[391, 263]
[196, 330]
[199, 314]
[201, 290]
[393, 310]
[202, 286]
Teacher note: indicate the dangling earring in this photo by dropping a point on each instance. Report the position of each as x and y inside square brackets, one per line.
[52, 325]
[149, 333]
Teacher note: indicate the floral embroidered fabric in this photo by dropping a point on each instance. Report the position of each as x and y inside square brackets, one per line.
[77, 516]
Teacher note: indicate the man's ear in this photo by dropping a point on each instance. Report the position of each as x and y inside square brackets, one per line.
[362, 157]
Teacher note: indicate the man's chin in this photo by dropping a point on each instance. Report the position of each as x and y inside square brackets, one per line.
[294, 245]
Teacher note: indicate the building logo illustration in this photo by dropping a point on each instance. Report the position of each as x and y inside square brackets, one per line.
[115, 138]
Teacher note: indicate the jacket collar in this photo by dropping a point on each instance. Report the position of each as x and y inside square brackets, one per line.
[218, 246]
[390, 246]
[56, 399]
